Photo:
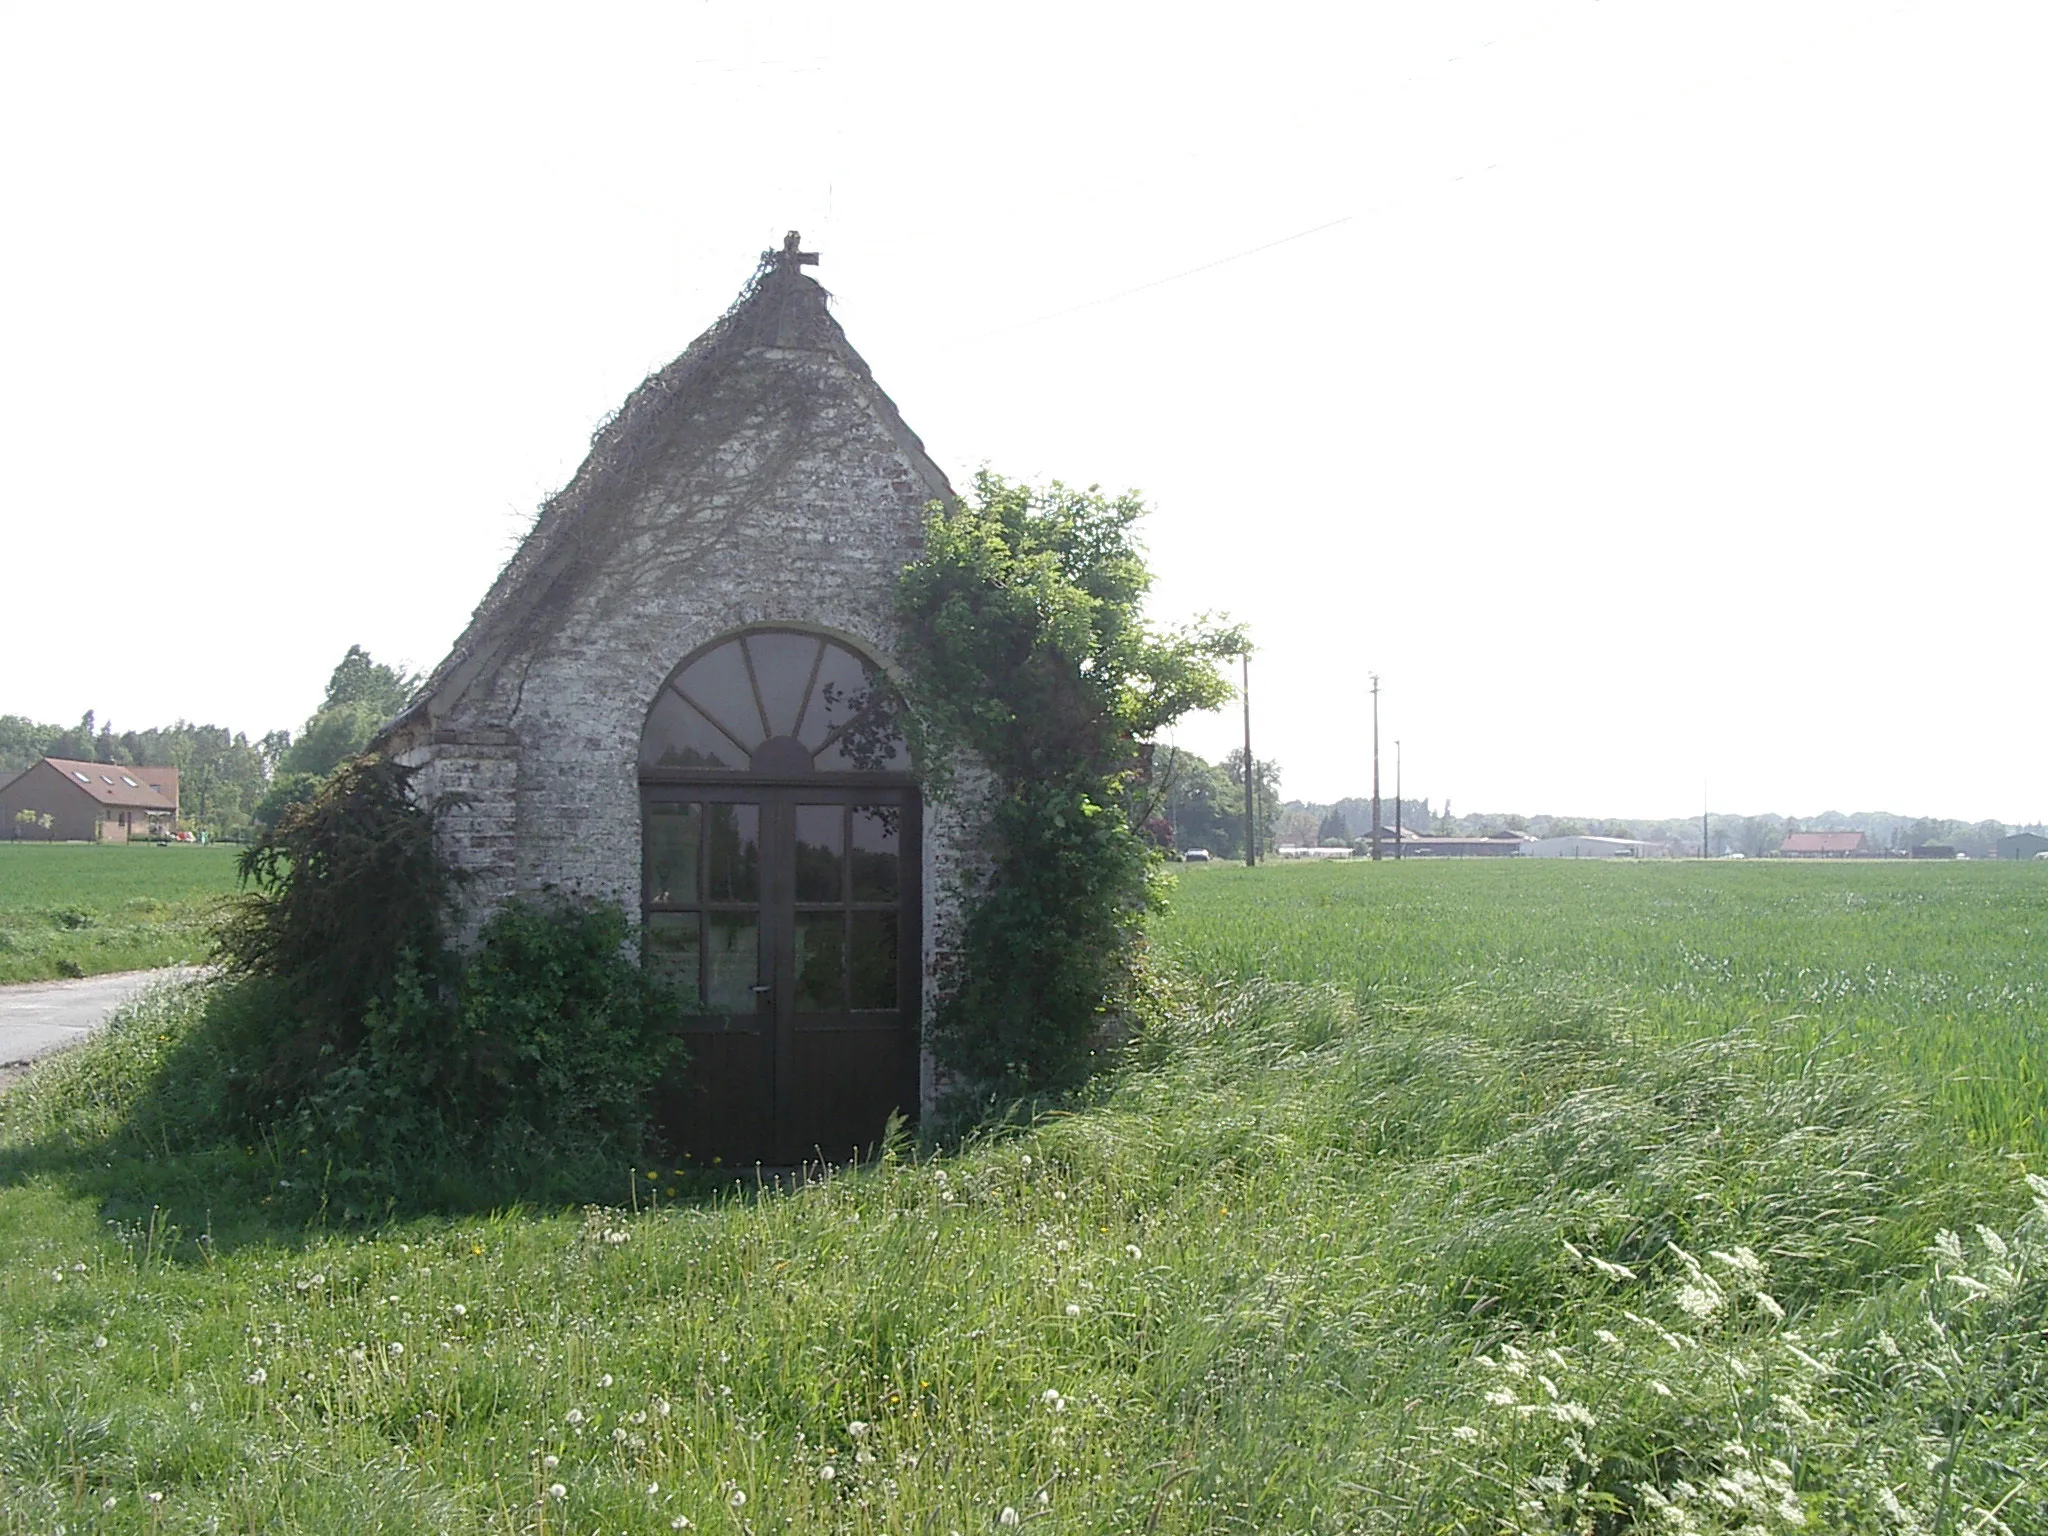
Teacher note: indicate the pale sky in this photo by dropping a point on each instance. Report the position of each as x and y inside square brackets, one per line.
[1653, 395]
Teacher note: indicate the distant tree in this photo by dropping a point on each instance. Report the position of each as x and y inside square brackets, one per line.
[1333, 828]
[1267, 783]
[359, 680]
[362, 695]
[23, 742]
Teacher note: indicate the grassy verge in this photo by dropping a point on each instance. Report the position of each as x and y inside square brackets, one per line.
[1483, 1262]
[81, 909]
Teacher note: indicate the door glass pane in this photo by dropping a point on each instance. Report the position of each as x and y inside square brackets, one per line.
[732, 961]
[732, 853]
[820, 853]
[718, 682]
[872, 744]
[672, 946]
[841, 692]
[678, 737]
[673, 834]
[782, 668]
[820, 952]
[876, 876]
[874, 959]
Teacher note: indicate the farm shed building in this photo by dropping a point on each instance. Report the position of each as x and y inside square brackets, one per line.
[89, 802]
[1595, 848]
[677, 697]
[2022, 845]
[1823, 845]
[1421, 847]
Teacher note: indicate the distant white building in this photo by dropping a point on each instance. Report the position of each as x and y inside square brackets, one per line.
[1594, 848]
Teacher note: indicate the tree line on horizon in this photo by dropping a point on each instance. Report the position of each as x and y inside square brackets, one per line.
[229, 785]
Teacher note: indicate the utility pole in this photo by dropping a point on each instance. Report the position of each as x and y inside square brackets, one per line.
[1375, 766]
[1397, 797]
[1251, 777]
[1706, 848]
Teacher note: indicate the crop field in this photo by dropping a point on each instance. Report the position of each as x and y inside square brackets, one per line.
[1938, 972]
[84, 909]
[1448, 1199]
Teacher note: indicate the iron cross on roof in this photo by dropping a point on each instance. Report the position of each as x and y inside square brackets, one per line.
[790, 257]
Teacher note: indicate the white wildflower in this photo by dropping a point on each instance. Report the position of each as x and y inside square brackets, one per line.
[1659, 1388]
[1948, 1246]
[1133, 1251]
[1697, 1302]
[605, 1380]
[653, 1489]
[857, 1428]
[1073, 1309]
[99, 1341]
[257, 1377]
[394, 1349]
[1768, 1304]
[573, 1416]
[557, 1491]
[154, 1496]
[680, 1523]
[1992, 1242]
[661, 1406]
[1608, 1337]
[1464, 1432]
[1501, 1397]
[1742, 1263]
[459, 1310]
[827, 1472]
[1009, 1517]
[551, 1461]
[738, 1499]
[109, 1502]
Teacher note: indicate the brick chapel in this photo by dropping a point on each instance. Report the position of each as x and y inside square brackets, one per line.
[678, 696]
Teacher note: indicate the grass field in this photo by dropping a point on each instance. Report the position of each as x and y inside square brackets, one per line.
[83, 909]
[1936, 971]
[1451, 1199]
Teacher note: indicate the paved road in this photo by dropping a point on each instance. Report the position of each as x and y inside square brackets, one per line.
[39, 1017]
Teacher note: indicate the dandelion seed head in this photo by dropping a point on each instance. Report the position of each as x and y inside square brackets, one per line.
[857, 1428]
[1073, 1309]
[459, 1310]
[257, 1377]
[394, 1349]
[738, 1499]
[605, 1380]
[557, 1491]
[1009, 1517]
[827, 1472]
[573, 1416]
[551, 1461]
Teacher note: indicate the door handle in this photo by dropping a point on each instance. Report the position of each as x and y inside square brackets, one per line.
[764, 990]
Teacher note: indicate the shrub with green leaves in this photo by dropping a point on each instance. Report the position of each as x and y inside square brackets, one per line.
[360, 1036]
[1029, 654]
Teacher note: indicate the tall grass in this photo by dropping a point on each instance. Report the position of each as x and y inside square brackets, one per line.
[1934, 970]
[1317, 1258]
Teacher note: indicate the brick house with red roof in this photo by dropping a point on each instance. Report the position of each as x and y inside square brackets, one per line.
[89, 802]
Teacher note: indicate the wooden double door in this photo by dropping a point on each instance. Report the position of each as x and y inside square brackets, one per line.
[787, 918]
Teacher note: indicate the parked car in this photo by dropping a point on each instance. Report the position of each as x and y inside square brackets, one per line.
[1195, 856]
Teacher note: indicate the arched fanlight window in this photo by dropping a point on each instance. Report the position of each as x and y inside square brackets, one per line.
[775, 701]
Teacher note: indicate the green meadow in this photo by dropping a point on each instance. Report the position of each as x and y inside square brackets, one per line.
[84, 909]
[1456, 1198]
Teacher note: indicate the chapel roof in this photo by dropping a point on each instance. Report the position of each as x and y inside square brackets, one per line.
[779, 312]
